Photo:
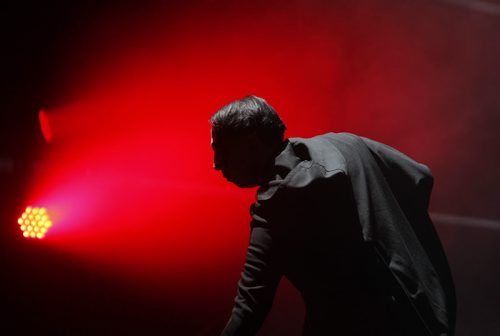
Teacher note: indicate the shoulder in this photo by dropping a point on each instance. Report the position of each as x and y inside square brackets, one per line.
[305, 182]
[307, 160]
[320, 159]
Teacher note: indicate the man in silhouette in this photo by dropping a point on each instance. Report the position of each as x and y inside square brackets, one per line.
[344, 218]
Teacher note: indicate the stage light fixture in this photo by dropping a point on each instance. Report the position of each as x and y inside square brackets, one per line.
[45, 127]
[34, 222]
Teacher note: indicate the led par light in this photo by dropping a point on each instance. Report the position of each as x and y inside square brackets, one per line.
[34, 222]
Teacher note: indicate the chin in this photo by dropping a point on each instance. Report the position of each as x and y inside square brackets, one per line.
[245, 184]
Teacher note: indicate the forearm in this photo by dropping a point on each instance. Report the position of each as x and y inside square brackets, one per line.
[257, 286]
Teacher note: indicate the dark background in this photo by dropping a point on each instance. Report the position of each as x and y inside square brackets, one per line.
[422, 76]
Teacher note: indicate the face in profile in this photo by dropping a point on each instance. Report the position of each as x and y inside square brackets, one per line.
[242, 160]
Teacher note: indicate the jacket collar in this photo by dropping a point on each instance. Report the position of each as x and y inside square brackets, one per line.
[286, 161]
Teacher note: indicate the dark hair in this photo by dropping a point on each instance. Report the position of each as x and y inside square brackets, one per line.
[251, 114]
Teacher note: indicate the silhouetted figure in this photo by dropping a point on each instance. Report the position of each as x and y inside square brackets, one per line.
[344, 218]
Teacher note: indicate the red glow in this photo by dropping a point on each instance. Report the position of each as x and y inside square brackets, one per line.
[45, 126]
[130, 183]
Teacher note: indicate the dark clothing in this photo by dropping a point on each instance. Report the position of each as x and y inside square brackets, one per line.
[345, 220]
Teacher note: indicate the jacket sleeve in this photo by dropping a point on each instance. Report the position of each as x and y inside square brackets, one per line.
[259, 280]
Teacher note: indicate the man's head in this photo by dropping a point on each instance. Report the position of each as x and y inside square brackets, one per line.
[246, 136]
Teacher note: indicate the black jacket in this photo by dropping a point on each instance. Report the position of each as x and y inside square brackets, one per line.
[345, 219]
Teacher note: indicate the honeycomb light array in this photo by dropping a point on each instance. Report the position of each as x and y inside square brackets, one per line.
[34, 222]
